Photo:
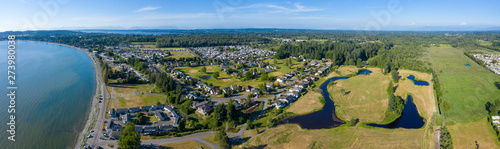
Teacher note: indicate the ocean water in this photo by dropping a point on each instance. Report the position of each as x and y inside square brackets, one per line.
[55, 88]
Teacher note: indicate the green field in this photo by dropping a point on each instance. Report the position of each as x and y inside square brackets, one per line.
[465, 135]
[179, 54]
[366, 97]
[135, 101]
[283, 68]
[224, 80]
[467, 88]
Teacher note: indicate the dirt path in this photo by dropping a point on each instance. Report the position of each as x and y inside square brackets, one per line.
[437, 134]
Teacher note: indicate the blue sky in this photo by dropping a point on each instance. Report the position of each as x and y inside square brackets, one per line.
[196, 14]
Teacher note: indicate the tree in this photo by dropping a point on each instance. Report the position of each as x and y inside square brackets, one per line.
[249, 124]
[359, 63]
[264, 76]
[219, 112]
[395, 75]
[390, 88]
[129, 138]
[182, 125]
[215, 75]
[354, 121]
[222, 139]
[204, 69]
[231, 110]
[445, 139]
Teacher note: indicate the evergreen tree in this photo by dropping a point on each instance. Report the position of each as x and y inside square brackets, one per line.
[129, 138]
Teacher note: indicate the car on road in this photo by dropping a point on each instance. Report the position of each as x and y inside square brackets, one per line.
[91, 131]
[90, 136]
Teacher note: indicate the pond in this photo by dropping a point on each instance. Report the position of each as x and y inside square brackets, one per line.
[416, 82]
[325, 118]
[467, 64]
[204, 77]
[409, 118]
[364, 72]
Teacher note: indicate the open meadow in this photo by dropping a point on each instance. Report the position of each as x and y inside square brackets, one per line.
[306, 104]
[361, 96]
[293, 137]
[466, 88]
[465, 135]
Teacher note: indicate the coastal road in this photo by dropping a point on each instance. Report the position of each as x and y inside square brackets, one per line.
[102, 106]
[197, 137]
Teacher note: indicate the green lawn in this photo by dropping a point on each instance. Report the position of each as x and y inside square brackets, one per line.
[135, 101]
[126, 88]
[467, 88]
[179, 54]
[224, 80]
[283, 68]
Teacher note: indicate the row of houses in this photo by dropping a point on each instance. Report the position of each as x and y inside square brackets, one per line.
[293, 93]
[114, 129]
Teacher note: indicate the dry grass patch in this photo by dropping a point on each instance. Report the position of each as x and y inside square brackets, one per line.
[365, 96]
[346, 70]
[126, 88]
[423, 95]
[183, 145]
[465, 134]
[291, 136]
[135, 101]
[306, 104]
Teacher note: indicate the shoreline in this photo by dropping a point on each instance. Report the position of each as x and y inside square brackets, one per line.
[94, 105]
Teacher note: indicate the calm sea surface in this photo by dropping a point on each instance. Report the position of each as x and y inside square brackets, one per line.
[55, 87]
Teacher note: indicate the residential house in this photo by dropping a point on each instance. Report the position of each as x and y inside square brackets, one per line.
[281, 79]
[246, 88]
[112, 113]
[159, 116]
[215, 91]
[121, 111]
[234, 87]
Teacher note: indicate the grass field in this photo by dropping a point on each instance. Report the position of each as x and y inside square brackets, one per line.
[183, 145]
[292, 137]
[467, 88]
[347, 70]
[465, 134]
[484, 43]
[366, 97]
[423, 96]
[127, 88]
[179, 54]
[224, 80]
[306, 104]
[135, 101]
[211, 139]
[283, 68]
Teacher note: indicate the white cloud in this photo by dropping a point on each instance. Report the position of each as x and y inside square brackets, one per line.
[272, 8]
[412, 23]
[178, 16]
[148, 8]
[463, 24]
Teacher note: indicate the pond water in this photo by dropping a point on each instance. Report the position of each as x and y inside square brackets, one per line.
[409, 118]
[204, 77]
[422, 83]
[467, 64]
[325, 118]
[364, 72]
